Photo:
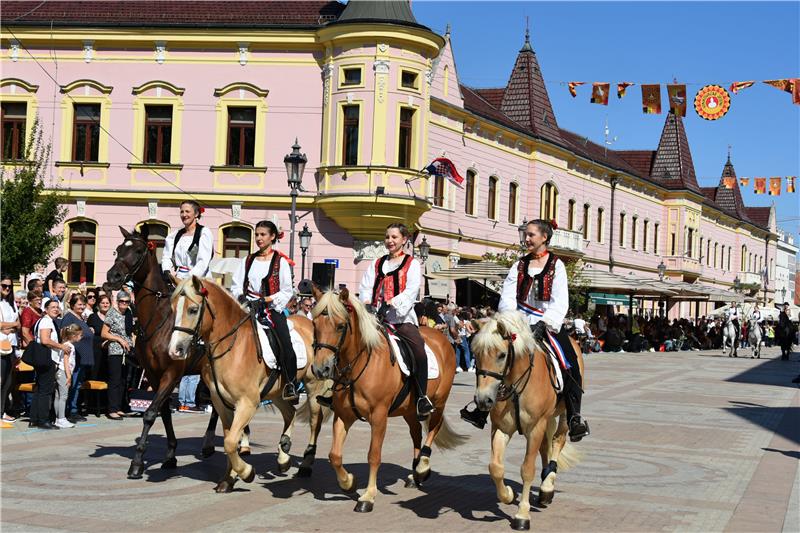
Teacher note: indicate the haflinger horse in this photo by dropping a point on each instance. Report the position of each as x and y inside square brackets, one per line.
[207, 317]
[515, 383]
[351, 348]
[136, 262]
[754, 337]
[729, 335]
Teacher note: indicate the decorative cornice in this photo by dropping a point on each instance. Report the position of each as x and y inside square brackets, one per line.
[96, 85]
[261, 93]
[19, 83]
[146, 86]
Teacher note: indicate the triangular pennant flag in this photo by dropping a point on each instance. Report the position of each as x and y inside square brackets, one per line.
[796, 91]
[622, 87]
[573, 85]
[760, 185]
[730, 183]
[651, 99]
[677, 99]
[775, 186]
[783, 85]
[740, 85]
[744, 182]
[600, 93]
[790, 183]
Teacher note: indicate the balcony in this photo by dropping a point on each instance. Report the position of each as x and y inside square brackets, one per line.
[750, 278]
[567, 242]
[680, 263]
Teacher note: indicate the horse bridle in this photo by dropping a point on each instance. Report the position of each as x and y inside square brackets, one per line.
[335, 349]
[510, 357]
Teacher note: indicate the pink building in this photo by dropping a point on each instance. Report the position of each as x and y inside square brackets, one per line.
[148, 103]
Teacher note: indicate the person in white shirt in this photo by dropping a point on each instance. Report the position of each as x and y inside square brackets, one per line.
[537, 286]
[189, 250]
[47, 376]
[391, 285]
[9, 328]
[265, 276]
[65, 366]
[734, 314]
[580, 325]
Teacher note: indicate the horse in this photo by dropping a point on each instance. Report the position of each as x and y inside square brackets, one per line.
[515, 383]
[754, 337]
[729, 334]
[208, 318]
[351, 348]
[136, 262]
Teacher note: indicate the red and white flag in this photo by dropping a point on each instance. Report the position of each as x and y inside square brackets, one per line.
[444, 167]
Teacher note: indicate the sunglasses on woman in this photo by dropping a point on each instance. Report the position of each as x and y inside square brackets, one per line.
[5, 286]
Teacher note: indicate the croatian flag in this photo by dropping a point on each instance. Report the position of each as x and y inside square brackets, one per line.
[445, 168]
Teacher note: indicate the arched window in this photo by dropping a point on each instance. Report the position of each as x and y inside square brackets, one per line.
[438, 190]
[571, 215]
[730, 253]
[600, 221]
[82, 241]
[156, 232]
[716, 251]
[548, 203]
[491, 210]
[513, 188]
[471, 189]
[634, 227]
[236, 241]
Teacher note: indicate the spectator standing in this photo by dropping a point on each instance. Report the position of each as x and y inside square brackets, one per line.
[305, 307]
[61, 265]
[29, 316]
[9, 327]
[465, 331]
[21, 300]
[65, 366]
[120, 344]
[83, 361]
[95, 322]
[59, 292]
[47, 334]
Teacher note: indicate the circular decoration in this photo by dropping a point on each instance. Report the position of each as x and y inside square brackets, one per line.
[712, 102]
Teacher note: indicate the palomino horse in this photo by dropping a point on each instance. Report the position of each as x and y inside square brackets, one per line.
[754, 337]
[207, 317]
[136, 262]
[350, 348]
[729, 335]
[514, 382]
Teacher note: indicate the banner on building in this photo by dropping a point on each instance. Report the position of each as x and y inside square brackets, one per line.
[573, 85]
[729, 182]
[740, 85]
[760, 185]
[790, 183]
[677, 99]
[744, 182]
[651, 99]
[622, 87]
[600, 93]
[444, 167]
[712, 102]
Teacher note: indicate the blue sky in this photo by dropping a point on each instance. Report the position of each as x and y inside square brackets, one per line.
[698, 43]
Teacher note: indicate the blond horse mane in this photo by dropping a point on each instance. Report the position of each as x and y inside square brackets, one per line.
[367, 322]
[490, 338]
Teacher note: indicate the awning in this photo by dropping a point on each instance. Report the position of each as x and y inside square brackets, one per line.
[602, 298]
[615, 284]
[482, 271]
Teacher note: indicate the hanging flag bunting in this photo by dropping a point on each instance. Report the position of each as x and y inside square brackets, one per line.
[740, 85]
[790, 183]
[744, 182]
[712, 102]
[445, 168]
[622, 87]
[677, 99]
[760, 185]
[729, 182]
[791, 86]
[775, 186]
[573, 85]
[651, 99]
[796, 91]
[600, 93]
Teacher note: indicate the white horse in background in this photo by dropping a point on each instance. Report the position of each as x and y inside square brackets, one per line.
[729, 335]
[754, 336]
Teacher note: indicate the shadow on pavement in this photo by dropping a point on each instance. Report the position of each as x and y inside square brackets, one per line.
[770, 372]
[784, 421]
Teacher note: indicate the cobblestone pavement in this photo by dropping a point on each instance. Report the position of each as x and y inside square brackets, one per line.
[689, 441]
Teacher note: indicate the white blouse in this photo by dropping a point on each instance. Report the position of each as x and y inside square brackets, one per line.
[186, 265]
[258, 271]
[402, 305]
[8, 313]
[555, 310]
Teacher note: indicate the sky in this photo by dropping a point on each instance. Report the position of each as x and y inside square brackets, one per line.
[697, 43]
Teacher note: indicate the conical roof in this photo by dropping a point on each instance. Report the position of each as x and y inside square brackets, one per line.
[730, 200]
[673, 164]
[391, 11]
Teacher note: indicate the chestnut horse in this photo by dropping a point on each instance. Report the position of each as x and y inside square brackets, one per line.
[514, 383]
[207, 317]
[350, 348]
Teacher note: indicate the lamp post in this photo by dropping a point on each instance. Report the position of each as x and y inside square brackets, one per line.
[783, 295]
[662, 270]
[305, 242]
[764, 280]
[423, 250]
[522, 229]
[737, 284]
[295, 163]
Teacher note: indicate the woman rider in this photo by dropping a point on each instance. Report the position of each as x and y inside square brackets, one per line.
[189, 250]
[266, 275]
[394, 280]
[537, 286]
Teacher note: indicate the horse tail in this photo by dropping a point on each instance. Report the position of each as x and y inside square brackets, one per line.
[447, 438]
[569, 457]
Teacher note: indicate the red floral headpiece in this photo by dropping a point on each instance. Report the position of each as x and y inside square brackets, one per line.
[202, 210]
[203, 292]
[513, 337]
[554, 224]
[151, 246]
[280, 236]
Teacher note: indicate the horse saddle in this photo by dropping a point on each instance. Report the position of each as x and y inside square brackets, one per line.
[402, 354]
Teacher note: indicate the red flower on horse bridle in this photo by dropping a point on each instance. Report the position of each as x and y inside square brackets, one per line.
[203, 292]
[151, 245]
[513, 337]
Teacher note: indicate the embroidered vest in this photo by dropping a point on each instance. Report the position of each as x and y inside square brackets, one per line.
[541, 283]
[194, 247]
[389, 285]
[272, 281]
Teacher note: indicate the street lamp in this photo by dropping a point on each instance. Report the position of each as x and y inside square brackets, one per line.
[662, 270]
[522, 229]
[295, 165]
[737, 284]
[305, 242]
[423, 250]
[783, 295]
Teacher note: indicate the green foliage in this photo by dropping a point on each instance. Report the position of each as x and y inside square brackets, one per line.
[505, 258]
[29, 212]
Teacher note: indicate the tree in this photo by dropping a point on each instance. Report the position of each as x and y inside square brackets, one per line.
[29, 211]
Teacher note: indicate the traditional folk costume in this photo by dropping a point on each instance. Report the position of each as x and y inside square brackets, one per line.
[189, 255]
[733, 316]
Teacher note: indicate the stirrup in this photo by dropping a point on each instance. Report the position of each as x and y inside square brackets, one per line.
[325, 401]
[476, 417]
[578, 428]
[290, 393]
[424, 407]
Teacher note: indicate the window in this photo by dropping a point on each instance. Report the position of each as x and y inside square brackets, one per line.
[409, 79]
[548, 208]
[86, 133]
[716, 251]
[157, 134]
[645, 229]
[744, 259]
[491, 204]
[600, 222]
[586, 208]
[672, 242]
[634, 224]
[730, 250]
[236, 241]
[438, 190]
[689, 252]
[469, 203]
[622, 230]
[655, 238]
[350, 134]
[157, 233]
[405, 137]
[352, 76]
[13, 116]
[82, 235]
[571, 215]
[512, 203]
[241, 136]
[708, 252]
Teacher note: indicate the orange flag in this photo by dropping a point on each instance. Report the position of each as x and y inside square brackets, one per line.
[775, 186]
[729, 182]
[622, 87]
[677, 99]
[573, 85]
[651, 99]
[600, 92]
[796, 91]
[760, 185]
[739, 85]
[790, 183]
[744, 182]
[791, 86]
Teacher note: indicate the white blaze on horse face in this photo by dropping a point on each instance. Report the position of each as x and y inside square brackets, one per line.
[177, 336]
[128, 243]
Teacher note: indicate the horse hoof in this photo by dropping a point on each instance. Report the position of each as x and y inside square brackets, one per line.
[169, 464]
[410, 482]
[250, 477]
[546, 498]
[304, 471]
[284, 467]
[245, 450]
[207, 452]
[135, 472]
[419, 479]
[224, 487]
[521, 524]
[353, 483]
[364, 507]
[509, 496]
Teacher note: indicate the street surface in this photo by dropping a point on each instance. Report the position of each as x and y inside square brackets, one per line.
[689, 441]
